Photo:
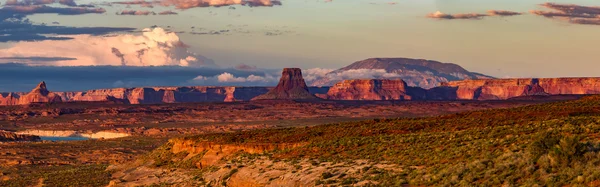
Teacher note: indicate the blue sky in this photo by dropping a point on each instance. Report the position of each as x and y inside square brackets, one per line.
[318, 34]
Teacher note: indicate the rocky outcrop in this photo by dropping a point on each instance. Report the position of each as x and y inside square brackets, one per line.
[415, 72]
[157, 95]
[372, 89]
[146, 95]
[6, 136]
[501, 89]
[213, 152]
[483, 89]
[291, 87]
[39, 94]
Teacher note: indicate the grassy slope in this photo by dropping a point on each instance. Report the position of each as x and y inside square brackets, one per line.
[550, 144]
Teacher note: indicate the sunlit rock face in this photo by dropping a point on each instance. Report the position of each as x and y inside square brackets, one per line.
[291, 87]
[372, 89]
[145, 95]
[6, 136]
[39, 94]
[501, 89]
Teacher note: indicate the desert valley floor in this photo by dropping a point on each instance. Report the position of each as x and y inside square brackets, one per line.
[147, 127]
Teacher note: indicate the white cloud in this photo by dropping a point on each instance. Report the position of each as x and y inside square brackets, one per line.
[230, 78]
[315, 73]
[154, 47]
[362, 74]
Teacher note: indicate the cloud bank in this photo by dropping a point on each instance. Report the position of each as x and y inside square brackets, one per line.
[154, 47]
[21, 77]
[576, 14]
[187, 4]
[472, 16]
[227, 77]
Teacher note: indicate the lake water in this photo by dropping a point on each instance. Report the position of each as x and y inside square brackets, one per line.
[72, 135]
[59, 139]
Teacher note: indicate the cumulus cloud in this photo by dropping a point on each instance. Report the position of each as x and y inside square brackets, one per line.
[440, 15]
[154, 47]
[39, 2]
[245, 67]
[44, 9]
[361, 74]
[472, 16]
[315, 73]
[141, 3]
[227, 77]
[576, 14]
[503, 13]
[22, 77]
[16, 28]
[167, 12]
[136, 12]
[187, 4]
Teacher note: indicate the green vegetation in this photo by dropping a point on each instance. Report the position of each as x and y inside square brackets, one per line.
[552, 144]
[85, 175]
[73, 163]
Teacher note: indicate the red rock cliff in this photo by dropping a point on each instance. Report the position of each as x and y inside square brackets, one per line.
[500, 89]
[373, 89]
[39, 94]
[291, 87]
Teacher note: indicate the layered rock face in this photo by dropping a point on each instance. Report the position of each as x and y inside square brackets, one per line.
[372, 89]
[291, 87]
[39, 94]
[150, 95]
[501, 89]
[484, 89]
[6, 136]
[157, 95]
[415, 72]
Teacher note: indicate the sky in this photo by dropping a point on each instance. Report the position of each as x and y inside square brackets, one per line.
[524, 38]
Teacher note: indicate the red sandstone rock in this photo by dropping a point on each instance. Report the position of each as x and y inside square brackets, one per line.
[6, 136]
[146, 95]
[291, 87]
[372, 89]
[39, 94]
[501, 89]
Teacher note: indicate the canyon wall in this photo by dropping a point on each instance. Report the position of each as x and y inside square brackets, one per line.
[483, 89]
[293, 87]
[146, 95]
[372, 89]
[149, 95]
[6, 136]
[501, 89]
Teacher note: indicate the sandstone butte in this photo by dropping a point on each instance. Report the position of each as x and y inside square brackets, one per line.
[371, 89]
[149, 95]
[500, 89]
[483, 89]
[415, 72]
[291, 87]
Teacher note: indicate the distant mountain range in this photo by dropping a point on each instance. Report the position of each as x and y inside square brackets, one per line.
[415, 72]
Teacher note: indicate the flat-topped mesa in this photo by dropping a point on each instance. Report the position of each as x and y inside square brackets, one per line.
[369, 89]
[39, 94]
[501, 89]
[291, 87]
[415, 72]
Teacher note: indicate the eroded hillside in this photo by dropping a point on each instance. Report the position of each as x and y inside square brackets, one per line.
[552, 144]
